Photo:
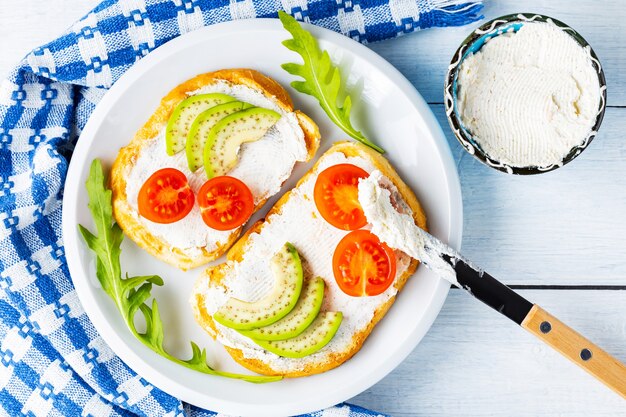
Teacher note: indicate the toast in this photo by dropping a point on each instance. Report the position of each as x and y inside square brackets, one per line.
[288, 221]
[167, 242]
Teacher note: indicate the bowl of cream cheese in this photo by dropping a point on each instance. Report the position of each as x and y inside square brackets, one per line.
[525, 94]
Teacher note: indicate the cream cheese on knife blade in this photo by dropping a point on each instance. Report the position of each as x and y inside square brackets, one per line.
[378, 196]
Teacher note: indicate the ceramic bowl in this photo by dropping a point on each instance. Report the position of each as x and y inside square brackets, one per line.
[472, 44]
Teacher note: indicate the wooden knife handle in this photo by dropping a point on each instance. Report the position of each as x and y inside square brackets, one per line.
[578, 349]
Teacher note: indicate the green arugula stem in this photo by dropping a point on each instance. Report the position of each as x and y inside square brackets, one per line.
[320, 78]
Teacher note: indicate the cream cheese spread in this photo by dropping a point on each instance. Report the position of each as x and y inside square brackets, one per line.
[378, 198]
[529, 97]
[263, 166]
[299, 223]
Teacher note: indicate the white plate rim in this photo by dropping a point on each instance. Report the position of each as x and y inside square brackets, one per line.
[117, 342]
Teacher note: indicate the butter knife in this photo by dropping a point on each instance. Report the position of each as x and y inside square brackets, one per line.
[399, 231]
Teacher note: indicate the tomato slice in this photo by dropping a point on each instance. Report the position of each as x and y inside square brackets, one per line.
[336, 196]
[363, 265]
[165, 197]
[225, 202]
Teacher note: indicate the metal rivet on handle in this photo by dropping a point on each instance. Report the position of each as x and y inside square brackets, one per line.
[545, 327]
[585, 354]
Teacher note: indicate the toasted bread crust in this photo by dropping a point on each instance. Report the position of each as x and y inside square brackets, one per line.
[126, 216]
[214, 275]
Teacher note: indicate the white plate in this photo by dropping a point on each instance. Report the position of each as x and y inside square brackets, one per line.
[390, 111]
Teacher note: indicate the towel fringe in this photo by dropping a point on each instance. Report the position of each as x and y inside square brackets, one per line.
[456, 12]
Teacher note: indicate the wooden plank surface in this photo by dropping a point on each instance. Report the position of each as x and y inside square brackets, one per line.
[475, 362]
[564, 228]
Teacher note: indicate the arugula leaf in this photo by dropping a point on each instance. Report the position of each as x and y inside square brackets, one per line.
[131, 293]
[322, 79]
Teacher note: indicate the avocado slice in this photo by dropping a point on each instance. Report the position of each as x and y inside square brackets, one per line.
[315, 337]
[183, 116]
[298, 319]
[201, 127]
[227, 136]
[242, 315]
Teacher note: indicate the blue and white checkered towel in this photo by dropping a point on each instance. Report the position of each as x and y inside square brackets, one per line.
[52, 360]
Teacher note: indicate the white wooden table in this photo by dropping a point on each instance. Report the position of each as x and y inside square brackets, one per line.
[559, 238]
